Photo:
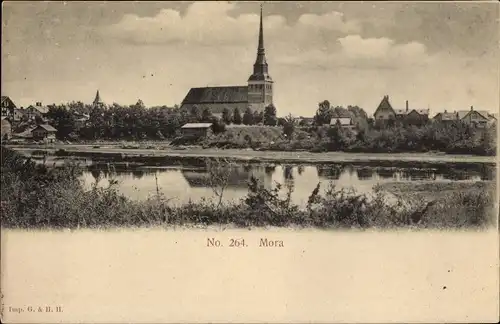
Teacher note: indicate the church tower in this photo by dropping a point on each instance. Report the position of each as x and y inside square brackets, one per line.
[260, 84]
[97, 101]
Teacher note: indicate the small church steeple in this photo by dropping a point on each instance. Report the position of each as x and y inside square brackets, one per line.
[97, 101]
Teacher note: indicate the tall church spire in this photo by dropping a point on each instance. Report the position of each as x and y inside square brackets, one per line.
[261, 52]
[260, 68]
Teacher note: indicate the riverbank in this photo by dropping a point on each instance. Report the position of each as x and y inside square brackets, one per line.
[248, 155]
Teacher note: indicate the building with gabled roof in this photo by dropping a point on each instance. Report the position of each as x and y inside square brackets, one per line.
[44, 132]
[256, 95]
[446, 116]
[8, 107]
[478, 118]
[31, 112]
[384, 110]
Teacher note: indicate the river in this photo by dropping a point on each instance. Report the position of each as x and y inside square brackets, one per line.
[183, 179]
[182, 183]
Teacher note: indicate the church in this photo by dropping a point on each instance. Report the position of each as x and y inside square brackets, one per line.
[257, 95]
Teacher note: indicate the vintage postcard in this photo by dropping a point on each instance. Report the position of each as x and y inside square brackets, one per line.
[249, 162]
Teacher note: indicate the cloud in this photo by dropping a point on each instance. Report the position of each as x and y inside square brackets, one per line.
[327, 40]
[383, 51]
[330, 21]
[322, 54]
[363, 53]
[211, 23]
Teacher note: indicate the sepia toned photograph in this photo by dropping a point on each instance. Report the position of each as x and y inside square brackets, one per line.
[126, 124]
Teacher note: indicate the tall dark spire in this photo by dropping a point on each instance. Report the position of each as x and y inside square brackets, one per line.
[261, 50]
[260, 68]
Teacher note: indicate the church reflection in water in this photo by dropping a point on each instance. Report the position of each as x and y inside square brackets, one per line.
[238, 176]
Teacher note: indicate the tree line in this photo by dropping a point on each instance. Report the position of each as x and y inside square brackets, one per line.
[138, 122]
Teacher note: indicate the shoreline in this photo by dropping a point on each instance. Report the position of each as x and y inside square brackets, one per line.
[248, 155]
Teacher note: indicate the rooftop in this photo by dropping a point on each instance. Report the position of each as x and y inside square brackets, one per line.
[227, 94]
[47, 127]
[197, 125]
[343, 120]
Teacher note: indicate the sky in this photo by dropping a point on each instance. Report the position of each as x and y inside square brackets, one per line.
[441, 56]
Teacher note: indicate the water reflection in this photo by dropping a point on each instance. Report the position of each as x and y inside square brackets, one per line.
[364, 173]
[332, 172]
[182, 183]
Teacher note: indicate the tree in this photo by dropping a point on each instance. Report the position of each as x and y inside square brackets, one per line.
[258, 117]
[206, 115]
[248, 118]
[195, 115]
[270, 118]
[324, 113]
[218, 126]
[220, 173]
[140, 104]
[226, 116]
[237, 117]
[97, 122]
[289, 126]
[63, 120]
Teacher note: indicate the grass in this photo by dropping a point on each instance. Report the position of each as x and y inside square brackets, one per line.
[244, 137]
[34, 196]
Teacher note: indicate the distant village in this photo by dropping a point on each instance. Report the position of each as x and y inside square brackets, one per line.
[38, 126]
[226, 105]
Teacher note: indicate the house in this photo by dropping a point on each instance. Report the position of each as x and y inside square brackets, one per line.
[18, 114]
[343, 120]
[416, 116]
[37, 110]
[446, 117]
[6, 129]
[196, 130]
[385, 112]
[476, 118]
[412, 116]
[44, 132]
[8, 107]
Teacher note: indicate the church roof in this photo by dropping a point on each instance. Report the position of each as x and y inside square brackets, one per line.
[230, 94]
